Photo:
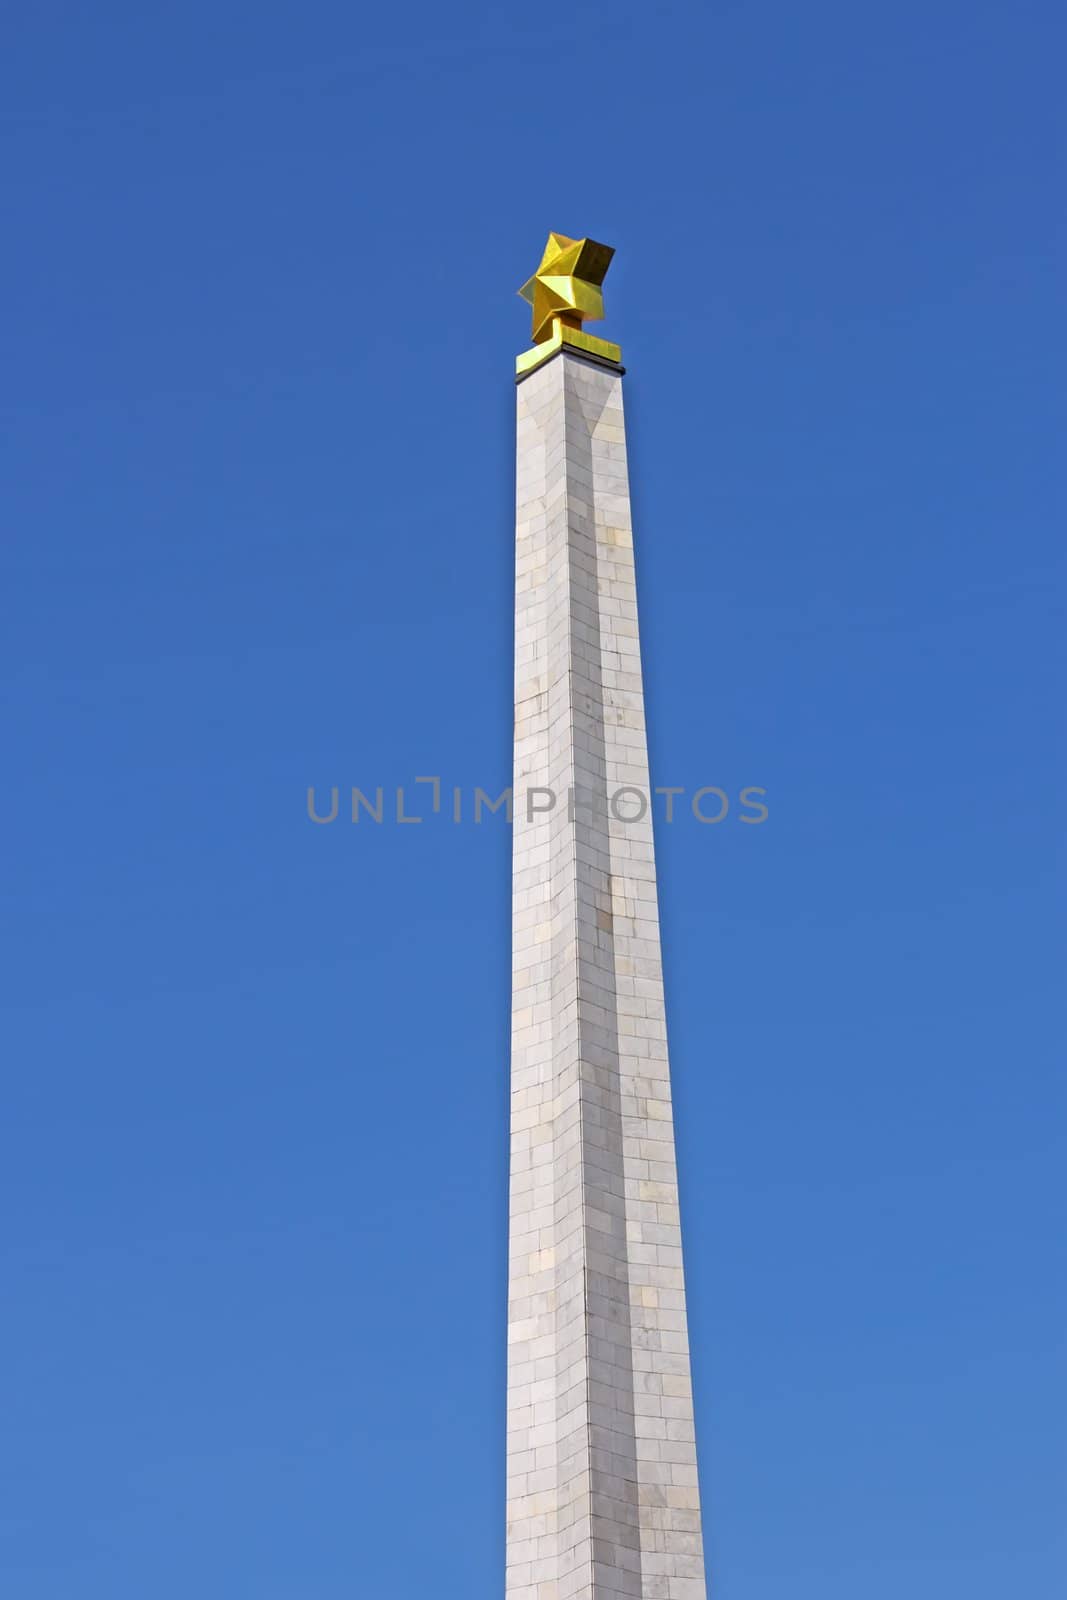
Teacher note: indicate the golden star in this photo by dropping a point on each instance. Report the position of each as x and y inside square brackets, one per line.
[566, 286]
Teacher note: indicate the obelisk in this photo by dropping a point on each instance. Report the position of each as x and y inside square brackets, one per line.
[602, 1474]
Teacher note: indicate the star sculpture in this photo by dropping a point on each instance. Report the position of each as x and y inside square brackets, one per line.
[566, 286]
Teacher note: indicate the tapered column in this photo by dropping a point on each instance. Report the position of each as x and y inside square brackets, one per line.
[602, 1481]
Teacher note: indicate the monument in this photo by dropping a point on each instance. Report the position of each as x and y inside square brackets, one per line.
[602, 1476]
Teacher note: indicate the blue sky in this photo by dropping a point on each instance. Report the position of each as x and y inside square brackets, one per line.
[259, 330]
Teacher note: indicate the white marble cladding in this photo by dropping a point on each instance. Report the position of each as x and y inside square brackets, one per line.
[602, 1475]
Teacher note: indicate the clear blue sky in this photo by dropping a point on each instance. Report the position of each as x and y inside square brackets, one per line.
[259, 329]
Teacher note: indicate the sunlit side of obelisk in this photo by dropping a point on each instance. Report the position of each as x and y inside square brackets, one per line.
[602, 1477]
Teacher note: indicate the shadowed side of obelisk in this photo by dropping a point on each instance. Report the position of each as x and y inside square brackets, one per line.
[672, 1563]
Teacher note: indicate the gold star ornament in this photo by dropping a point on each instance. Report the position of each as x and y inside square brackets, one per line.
[566, 292]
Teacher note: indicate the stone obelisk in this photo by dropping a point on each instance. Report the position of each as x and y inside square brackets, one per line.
[602, 1476]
